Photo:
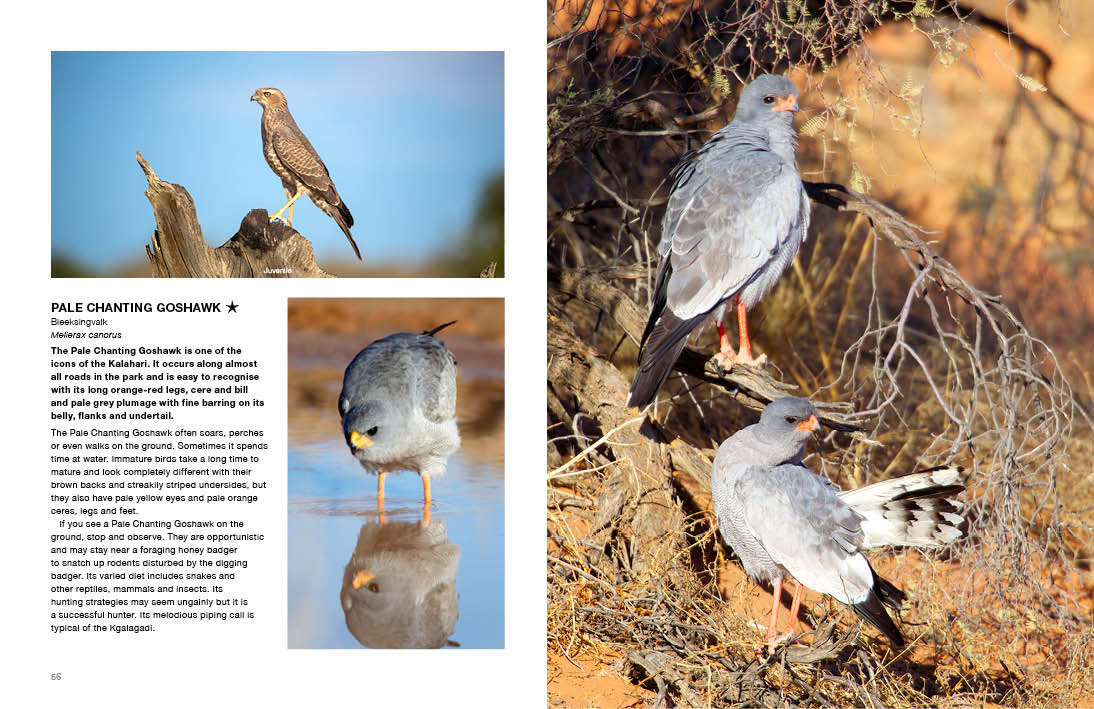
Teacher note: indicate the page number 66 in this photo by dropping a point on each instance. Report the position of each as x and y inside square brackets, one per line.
[55, 675]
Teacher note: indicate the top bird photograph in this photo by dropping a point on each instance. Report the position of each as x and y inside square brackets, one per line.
[277, 164]
[820, 336]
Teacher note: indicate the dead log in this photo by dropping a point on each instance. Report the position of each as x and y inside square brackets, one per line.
[260, 249]
[638, 499]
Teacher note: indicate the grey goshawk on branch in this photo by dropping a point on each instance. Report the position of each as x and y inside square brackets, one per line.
[295, 161]
[736, 215]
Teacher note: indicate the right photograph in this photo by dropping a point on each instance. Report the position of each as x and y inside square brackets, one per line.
[819, 333]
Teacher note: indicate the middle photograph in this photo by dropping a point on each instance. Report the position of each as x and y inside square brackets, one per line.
[396, 473]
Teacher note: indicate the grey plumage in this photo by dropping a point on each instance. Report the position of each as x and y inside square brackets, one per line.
[736, 215]
[783, 520]
[399, 396]
[291, 156]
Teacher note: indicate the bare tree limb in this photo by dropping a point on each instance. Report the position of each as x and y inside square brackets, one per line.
[260, 249]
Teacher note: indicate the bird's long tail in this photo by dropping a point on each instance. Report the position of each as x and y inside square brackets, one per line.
[440, 327]
[915, 510]
[344, 219]
[873, 612]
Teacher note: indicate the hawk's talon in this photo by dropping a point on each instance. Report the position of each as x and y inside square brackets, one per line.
[757, 362]
[779, 640]
[724, 361]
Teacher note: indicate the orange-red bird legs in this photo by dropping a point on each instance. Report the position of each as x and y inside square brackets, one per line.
[772, 638]
[794, 605]
[726, 357]
[428, 499]
[726, 352]
[742, 331]
[380, 494]
[745, 353]
[773, 622]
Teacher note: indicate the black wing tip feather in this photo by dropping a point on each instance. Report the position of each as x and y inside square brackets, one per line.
[660, 299]
[889, 594]
[666, 340]
[656, 358]
[648, 378]
[344, 211]
[873, 612]
[663, 340]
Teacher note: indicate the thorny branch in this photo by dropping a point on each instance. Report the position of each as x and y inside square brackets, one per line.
[912, 364]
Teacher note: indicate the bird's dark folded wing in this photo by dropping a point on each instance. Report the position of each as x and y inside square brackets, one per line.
[661, 348]
[300, 158]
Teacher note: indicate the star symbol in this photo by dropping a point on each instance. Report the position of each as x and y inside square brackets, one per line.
[232, 306]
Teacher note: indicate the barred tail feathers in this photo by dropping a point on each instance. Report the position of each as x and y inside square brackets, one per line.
[916, 510]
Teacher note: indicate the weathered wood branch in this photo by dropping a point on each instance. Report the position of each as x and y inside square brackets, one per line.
[581, 381]
[260, 249]
[587, 383]
[751, 387]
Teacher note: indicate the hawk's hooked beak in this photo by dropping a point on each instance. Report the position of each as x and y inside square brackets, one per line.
[810, 424]
[361, 579]
[358, 441]
[788, 103]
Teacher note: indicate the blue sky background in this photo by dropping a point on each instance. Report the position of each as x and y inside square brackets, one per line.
[409, 139]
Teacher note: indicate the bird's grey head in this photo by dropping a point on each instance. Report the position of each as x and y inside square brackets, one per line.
[384, 606]
[368, 428]
[789, 419]
[768, 99]
[269, 97]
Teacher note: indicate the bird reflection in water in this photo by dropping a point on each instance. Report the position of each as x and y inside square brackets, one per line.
[399, 587]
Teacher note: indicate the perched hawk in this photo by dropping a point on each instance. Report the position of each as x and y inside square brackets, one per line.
[736, 215]
[295, 161]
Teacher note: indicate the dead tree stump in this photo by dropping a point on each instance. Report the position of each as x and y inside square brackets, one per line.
[260, 249]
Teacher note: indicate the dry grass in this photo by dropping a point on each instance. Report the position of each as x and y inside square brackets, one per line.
[995, 619]
[685, 633]
[933, 369]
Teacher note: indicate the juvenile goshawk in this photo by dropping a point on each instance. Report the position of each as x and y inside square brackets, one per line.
[295, 161]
